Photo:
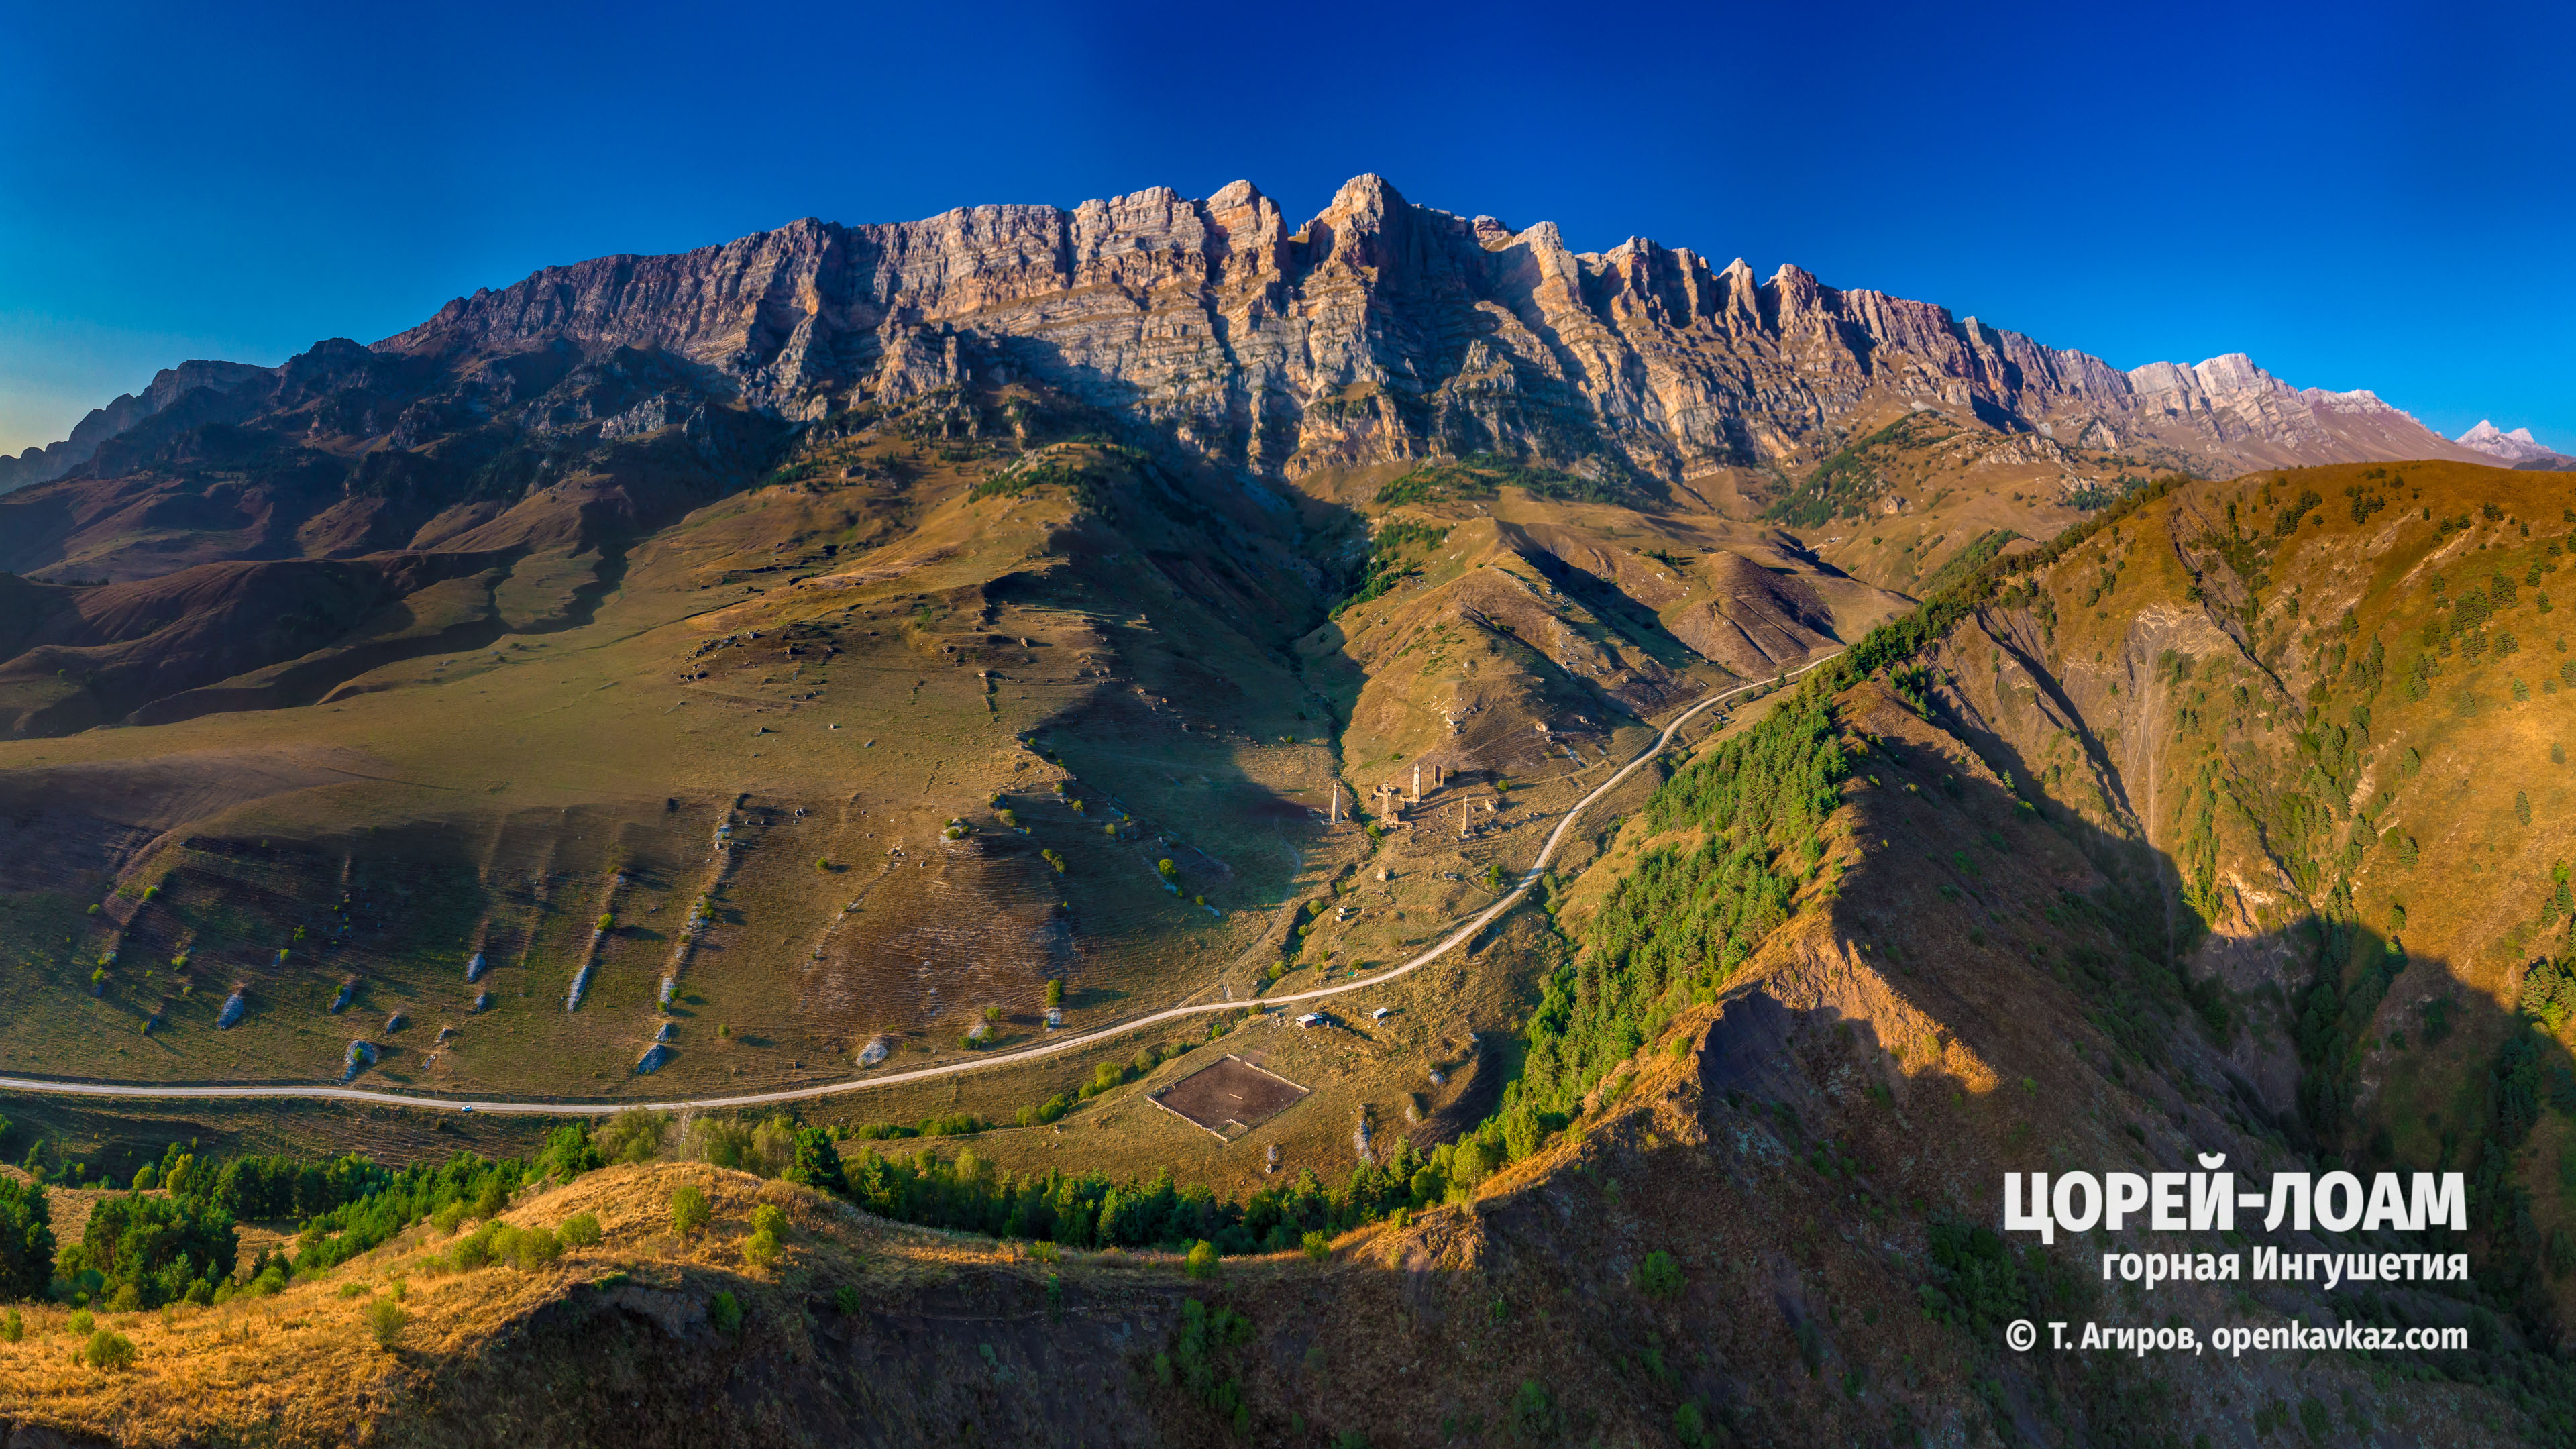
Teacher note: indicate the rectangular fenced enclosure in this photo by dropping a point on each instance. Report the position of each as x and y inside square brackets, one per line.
[1229, 1097]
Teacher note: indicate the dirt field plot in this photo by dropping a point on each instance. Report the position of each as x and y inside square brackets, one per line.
[1230, 1097]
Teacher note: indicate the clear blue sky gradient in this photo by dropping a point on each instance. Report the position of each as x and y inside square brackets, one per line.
[2359, 195]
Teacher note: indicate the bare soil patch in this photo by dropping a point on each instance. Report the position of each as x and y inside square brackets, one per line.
[1229, 1097]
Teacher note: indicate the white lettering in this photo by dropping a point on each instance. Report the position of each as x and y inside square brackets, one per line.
[2167, 1216]
[2387, 1206]
[2213, 1202]
[2068, 1186]
[2033, 1216]
[2444, 1206]
[2127, 1192]
[2286, 1186]
[2339, 1201]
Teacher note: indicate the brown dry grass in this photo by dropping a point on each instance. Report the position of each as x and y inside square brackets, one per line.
[303, 1367]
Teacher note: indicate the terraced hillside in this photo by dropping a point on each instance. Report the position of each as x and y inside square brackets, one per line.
[868, 759]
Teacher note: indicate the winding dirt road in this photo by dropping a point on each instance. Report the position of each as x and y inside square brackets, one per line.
[1456, 938]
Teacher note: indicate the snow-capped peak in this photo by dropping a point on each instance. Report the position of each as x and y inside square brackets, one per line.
[2518, 446]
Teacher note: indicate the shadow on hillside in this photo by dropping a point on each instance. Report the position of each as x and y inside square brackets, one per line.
[2347, 1052]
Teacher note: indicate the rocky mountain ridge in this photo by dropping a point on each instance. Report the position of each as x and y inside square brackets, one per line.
[40, 465]
[1378, 331]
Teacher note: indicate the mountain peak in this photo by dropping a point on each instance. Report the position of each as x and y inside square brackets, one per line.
[1234, 193]
[2486, 432]
[2518, 446]
[1367, 194]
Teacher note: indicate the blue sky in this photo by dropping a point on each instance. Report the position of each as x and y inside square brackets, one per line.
[2358, 195]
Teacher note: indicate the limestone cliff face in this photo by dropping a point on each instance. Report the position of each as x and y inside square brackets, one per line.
[2245, 411]
[1378, 330]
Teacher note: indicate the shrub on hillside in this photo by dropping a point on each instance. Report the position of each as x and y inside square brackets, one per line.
[1201, 1356]
[1045, 1112]
[108, 1349]
[527, 1249]
[689, 1211]
[569, 1152]
[1977, 1279]
[1658, 1276]
[530, 1248]
[474, 1250]
[764, 1149]
[581, 1230]
[1533, 1413]
[634, 1135]
[385, 1322]
[725, 1312]
[767, 1243]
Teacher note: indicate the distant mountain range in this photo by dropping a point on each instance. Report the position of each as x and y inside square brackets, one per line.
[43, 465]
[1377, 331]
[2518, 449]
